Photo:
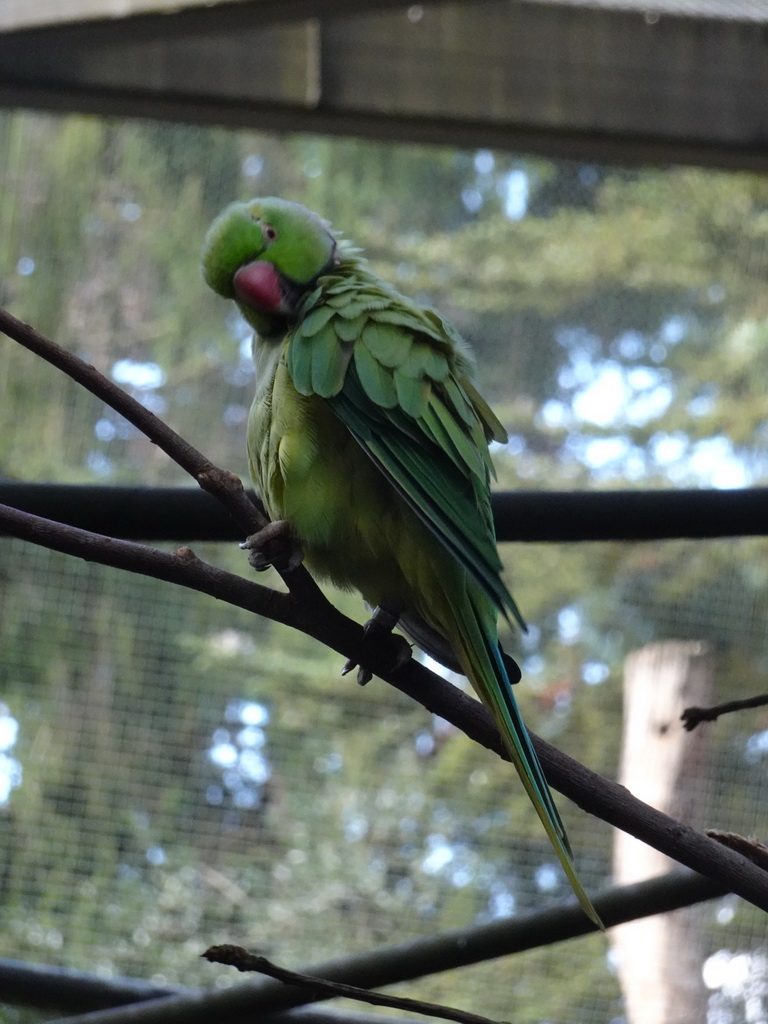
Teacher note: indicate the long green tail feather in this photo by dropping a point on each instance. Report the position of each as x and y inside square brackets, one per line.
[485, 669]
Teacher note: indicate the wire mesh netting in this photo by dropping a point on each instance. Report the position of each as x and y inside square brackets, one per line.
[175, 772]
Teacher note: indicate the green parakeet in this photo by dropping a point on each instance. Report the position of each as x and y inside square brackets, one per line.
[369, 439]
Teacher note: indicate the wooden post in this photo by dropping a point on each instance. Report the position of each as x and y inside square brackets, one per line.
[660, 958]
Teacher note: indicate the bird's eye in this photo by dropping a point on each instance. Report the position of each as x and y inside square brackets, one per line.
[269, 232]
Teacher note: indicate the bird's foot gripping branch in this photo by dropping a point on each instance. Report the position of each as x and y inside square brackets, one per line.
[377, 629]
[274, 545]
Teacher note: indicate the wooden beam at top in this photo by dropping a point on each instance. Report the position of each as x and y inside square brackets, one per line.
[100, 21]
[21, 14]
[558, 79]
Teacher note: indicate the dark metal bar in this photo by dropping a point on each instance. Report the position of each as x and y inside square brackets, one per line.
[128, 513]
[630, 515]
[186, 514]
[44, 987]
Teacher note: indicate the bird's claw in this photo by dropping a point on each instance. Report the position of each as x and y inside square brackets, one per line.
[378, 628]
[274, 545]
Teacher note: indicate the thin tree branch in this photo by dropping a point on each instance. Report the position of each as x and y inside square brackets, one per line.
[236, 956]
[312, 614]
[210, 477]
[694, 716]
[224, 485]
[748, 847]
[182, 567]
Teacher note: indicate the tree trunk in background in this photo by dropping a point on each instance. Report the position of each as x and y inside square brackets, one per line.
[660, 958]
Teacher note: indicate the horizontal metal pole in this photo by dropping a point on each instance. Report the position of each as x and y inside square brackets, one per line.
[44, 987]
[187, 514]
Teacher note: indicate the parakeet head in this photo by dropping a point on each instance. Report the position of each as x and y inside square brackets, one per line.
[265, 254]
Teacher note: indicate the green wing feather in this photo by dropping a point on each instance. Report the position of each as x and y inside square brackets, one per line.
[388, 344]
[441, 493]
[452, 439]
[315, 321]
[329, 362]
[413, 394]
